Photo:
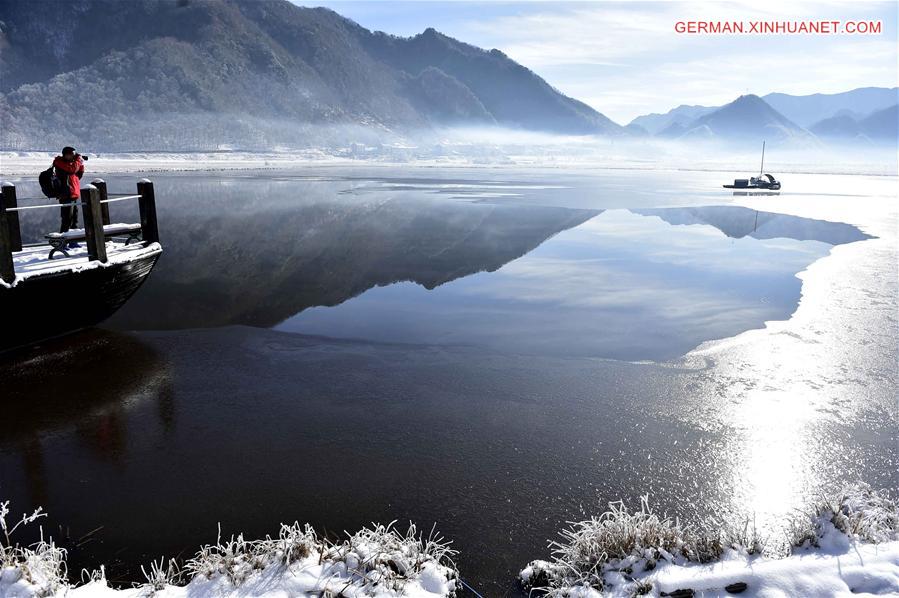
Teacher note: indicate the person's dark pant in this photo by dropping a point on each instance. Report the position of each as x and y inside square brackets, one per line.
[68, 215]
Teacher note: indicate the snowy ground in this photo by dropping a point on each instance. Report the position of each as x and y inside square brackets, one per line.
[842, 569]
[305, 578]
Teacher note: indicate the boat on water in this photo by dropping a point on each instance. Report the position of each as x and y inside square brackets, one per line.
[55, 288]
[763, 181]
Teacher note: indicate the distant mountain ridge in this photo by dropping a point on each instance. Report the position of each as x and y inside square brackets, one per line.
[682, 115]
[809, 109]
[882, 125]
[175, 74]
[803, 110]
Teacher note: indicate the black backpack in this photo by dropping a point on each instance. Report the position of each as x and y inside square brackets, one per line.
[50, 183]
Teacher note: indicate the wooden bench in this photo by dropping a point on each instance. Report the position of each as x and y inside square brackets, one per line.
[59, 241]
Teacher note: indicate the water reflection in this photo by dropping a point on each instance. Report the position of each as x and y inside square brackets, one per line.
[499, 441]
[317, 251]
[87, 382]
[627, 284]
[394, 264]
[739, 222]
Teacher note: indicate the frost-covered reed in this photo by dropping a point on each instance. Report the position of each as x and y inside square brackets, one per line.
[376, 561]
[622, 548]
[377, 557]
[41, 565]
[858, 512]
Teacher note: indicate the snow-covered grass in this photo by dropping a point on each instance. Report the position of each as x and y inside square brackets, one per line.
[858, 512]
[845, 544]
[379, 561]
[40, 567]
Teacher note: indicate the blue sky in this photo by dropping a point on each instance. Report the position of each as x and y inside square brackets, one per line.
[625, 59]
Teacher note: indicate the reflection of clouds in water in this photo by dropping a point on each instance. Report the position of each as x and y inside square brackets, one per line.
[584, 284]
[603, 264]
[621, 285]
[625, 234]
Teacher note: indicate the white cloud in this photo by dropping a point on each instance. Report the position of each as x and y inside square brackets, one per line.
[625, 59]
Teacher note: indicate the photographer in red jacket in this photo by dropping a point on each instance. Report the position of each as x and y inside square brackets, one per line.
[68, 168]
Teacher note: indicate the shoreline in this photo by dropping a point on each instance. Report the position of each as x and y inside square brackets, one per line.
[844, 544]
[30, 163]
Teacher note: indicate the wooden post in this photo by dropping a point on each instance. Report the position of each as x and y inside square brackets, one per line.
[148, 226]
[12, 218]
[100, 184]
[93, 223]
[7, 268]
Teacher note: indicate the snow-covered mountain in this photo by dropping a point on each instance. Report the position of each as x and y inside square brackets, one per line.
[178, 74]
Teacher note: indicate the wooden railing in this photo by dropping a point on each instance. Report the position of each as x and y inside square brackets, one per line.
[94, 204]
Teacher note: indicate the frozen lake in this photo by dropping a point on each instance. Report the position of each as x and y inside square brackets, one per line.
[498, 351]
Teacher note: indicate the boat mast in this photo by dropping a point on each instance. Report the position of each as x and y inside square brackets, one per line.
[762, 167]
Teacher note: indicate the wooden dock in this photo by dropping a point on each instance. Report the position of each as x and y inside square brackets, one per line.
[46, 297]
[94, 204]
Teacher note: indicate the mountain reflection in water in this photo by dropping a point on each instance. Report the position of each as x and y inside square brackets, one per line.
[325, 254]
[627, 284]
[738, 222]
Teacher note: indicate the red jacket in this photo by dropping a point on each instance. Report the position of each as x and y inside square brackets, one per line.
[72, 171]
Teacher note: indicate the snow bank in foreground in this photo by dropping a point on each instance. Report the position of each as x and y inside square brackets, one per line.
[859, 569]
[846, 546]
[376, 562]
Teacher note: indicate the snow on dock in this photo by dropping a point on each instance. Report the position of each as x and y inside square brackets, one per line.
[99, 244]
[34, 261]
